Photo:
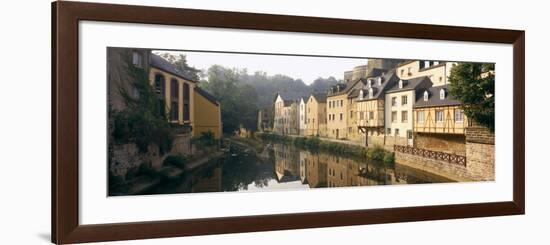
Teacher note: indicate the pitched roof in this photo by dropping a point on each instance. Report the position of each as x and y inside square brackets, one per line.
[434, 99]
[207, 95]
[411, 84]
[286, 95]
[288, 102]
[389, 79]
[320, 97]
[162, 64]
[376, 72]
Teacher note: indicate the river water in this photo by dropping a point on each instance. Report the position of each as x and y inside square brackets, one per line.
[282, 166]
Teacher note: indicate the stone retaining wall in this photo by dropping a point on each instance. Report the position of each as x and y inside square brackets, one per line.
[451, 171]
[480, 158]
[480, 152]
[126, 157]
[449, 143]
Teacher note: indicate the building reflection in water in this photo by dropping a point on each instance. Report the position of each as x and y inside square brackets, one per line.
[290, 168]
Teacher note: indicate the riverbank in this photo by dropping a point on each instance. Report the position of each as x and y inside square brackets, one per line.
[374, 153]
[148, 178]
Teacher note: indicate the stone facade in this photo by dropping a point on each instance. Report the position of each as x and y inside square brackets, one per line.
[448, 143]
[480, 152]
[450, 171]
[125, 157]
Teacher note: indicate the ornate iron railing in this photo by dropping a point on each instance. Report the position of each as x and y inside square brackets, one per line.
[436, 155]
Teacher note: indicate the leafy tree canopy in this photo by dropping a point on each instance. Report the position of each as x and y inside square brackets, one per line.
[180, 62]
[474, 85]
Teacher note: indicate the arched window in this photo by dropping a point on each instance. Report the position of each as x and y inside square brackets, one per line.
[442, 94]
[160, 90]
[426, 95]
[174, 110]
[186, 96]
[400, 84]
[174, 89]
[370, 93]
[360, 94]
[159, 83]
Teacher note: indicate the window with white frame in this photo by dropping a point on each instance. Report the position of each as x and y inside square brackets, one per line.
[426, 95]
[420, 116]
[439, 115]
[404, 116]
[459, 115]
[393, 101]
[442, 94]
[403, 100]
[394, 116]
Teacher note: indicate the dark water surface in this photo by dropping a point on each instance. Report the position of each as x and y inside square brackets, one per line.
[287, 167]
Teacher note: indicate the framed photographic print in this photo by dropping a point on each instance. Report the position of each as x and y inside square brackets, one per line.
[175, 122]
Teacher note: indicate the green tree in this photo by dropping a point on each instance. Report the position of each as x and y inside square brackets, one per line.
[238, 100]
[473, 84]
[141, 122]
[180, 62]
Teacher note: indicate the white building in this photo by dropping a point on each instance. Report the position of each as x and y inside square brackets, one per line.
[302, 116]
[399, 103]
[286, 116]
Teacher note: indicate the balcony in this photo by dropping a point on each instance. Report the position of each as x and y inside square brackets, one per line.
[185, 128]
[370, 123]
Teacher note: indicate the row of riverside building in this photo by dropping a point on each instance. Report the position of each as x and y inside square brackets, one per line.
[386, 102]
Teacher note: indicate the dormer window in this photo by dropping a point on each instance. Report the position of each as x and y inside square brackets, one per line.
[379, 81]
[369, 83]
[426, 95]
[442, 94]
[400, 84]
[370, 93]
[360, 94]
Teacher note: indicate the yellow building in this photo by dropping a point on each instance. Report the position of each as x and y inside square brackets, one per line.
[316, 115]
[208, 117]
[174, 91]
[370, 108]
[182, 101]
[439, 122]
[337, 110]
[342, 107]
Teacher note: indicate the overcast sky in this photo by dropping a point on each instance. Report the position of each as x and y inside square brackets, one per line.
[297, 67]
